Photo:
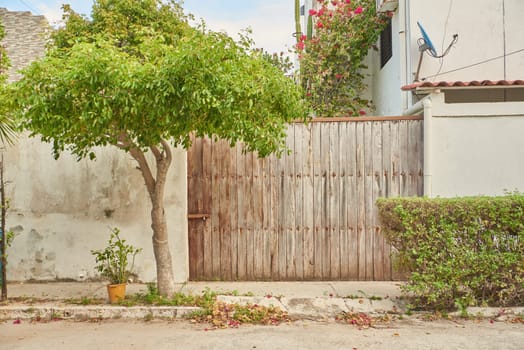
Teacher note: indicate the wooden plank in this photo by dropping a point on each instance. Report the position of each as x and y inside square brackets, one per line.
[207, 165]
[216, 172]
[241, 216]
[267, 224]
[325, 202]
[343, 208]
[317, 199]
[361, 201]
[233, 210]
[192, 173]
[289, 199]
[249, 214]
[224, 218]
[283, 212]
[386, 191]
[298, 176]
[404, 158]
[274, 233]
[378, 179]
[353, 203]
[258, 217]
[197, 186]
[308, 201]
[395, 159]
[368, 185]
[334, 201]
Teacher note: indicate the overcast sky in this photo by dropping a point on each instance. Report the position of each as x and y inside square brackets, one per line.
[272, 21]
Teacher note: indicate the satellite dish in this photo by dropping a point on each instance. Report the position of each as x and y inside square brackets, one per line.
[427, 45]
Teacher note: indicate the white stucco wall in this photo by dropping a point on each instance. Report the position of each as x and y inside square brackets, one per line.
[62, 209]
[386, 81]
[487, 30]
[476, 148]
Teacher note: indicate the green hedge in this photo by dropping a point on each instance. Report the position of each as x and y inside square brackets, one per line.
[460, 252]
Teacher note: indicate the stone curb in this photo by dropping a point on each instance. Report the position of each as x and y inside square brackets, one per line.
[320, 307]
[103, 312]
[297, 308]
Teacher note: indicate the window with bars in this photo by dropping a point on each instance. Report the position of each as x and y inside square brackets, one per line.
[386, 45]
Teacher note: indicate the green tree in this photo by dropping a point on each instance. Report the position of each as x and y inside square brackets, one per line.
[138, 77]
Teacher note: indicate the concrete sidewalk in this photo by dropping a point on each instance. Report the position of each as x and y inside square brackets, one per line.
[68, 290]
[313, 300]
[301, 300]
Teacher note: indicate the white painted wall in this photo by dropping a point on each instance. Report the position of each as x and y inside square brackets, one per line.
[476, 148]
[484, 33]
[386, 81]
[62, 209]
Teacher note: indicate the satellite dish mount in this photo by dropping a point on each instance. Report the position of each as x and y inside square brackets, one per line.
[425, 45]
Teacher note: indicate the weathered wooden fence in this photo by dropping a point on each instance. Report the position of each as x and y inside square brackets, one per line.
[310, 215]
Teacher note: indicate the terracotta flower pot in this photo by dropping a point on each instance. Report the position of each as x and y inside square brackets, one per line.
[116, 292]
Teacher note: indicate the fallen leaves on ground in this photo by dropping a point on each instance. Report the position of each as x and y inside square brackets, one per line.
[223, 315]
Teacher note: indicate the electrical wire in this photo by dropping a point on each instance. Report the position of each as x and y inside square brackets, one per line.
[444, 36]
[475, 64]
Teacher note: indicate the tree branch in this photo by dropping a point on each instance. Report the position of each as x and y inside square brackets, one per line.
[156, 152]
[126, 144]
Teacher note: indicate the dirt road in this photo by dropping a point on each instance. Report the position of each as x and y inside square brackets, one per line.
[406, 334]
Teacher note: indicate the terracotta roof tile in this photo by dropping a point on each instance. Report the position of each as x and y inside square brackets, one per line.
[451, 84]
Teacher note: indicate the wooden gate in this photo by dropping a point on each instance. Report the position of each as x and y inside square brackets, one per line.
[310, 215]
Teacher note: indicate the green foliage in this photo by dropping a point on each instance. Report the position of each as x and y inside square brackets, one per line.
[114, 261]
[331, 58]
[138, 74]
[461, 252]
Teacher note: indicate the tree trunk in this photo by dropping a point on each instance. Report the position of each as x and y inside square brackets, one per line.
[156, 189]
[164, 264]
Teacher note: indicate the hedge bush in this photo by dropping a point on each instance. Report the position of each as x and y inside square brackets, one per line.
[460, 252]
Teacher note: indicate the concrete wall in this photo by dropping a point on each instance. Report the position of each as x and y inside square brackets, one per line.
[476, 148]
[62, 209]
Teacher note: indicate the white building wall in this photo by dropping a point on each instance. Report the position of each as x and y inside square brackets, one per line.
[480, 26]
[487, 30]
[386, 81]
[476, 148]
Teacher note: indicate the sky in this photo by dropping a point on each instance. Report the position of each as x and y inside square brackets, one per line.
[272, 21]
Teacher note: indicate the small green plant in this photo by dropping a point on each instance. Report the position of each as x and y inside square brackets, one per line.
[117, 260]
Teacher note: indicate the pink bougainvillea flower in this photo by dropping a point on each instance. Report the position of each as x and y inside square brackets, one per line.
[303, 37]
[312, 12]
[338, 76]
[320, 25]
[362, 112]
[358, 10]
[321, 11]
[334, 3]
[300, 46]
[348, 1]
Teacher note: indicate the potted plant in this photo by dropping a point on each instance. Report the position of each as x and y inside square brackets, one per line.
[116, 263]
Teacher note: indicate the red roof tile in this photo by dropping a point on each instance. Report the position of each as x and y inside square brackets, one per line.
[451, 84]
